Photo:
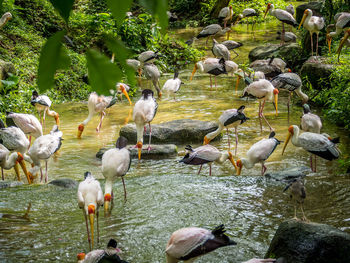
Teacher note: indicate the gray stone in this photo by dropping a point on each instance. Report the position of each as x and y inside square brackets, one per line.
[184, 131]
[5, 68]
[8, 184]
[317, 72]
[290, 53]
[301, 242]
[65, 183]
[289, 174]
[157, 152]
[314, 6]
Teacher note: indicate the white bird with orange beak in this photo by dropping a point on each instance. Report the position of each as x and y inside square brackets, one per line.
[124, 89]
[90, 198]
[313, 24]
[259, 153]
[342, 21]
[262, 90]
[226, 14]
[115, 163]
[9, 160]
[144, 111]
[318, 144]
[97, 104]
[343, 42]
[187, 244]
[42, 103]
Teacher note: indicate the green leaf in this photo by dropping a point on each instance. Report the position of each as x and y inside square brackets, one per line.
[103, 74]
[64, 7]
[52, 57]
[1, 3]
[119, 8]
[121, 55]
[158, 9]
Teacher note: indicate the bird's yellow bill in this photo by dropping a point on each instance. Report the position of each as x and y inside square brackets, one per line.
[302, 20]
[329, 42]
[233, 162]
[126, 95]
[17, 171]
[106, 207]
[239, 169]
[237, 82]
[346, 36]
[206, 140]
[24, 168]
[91, 219]
[194, 71]
[57, 119]
[289, 135]
[276, 103]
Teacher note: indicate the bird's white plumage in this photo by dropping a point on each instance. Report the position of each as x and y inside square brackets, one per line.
[211, 29]
[90, 192]
[311, 123]
[220, 50]
[343, 20]
[147, 56]
[290, 9]
[7, 160]
[28, 123]
[261, 150]
[249, 12]
[282, 15]
[312, 23]
[14, 139]
[172, 85]
[134, 63]
[207, 152]
[262, 89]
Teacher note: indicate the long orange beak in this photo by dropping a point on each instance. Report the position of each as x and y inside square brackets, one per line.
[239, 169]
[23, 166]
[125, 93]
[194, 71]
[302, 20]
[17, 171]
[91, 211]
[346, 36]
[57, 119]
[230, 157]
[107, 201]
[80, 130]
[206, 140]
[139, 147]
[289, 135]
[276, 103]
[329, 42]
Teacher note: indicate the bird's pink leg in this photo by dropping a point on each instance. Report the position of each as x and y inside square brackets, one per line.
[2, 174]
[46, 172]
[209, 169]
[312, 168]
[87, 229]
[30, 141]
[316, 44]
[144, 129]
[312, 45]
[228, 139]
[150, 136]
[225, 23]
[200, 168]
[315, 163]
[263, 169]
[236, 133]
[259, 115]
[262, 114]
[124, 189]
[101, 119]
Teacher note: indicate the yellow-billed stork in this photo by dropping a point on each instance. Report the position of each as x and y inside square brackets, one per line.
[152, 73]
[310, 122]
[9, 160]
[313, 24]
[144, 111]
[206, 154]
[5, 18]
[314, 143]
[259, 153]
[229, 118]
[109, 254]
[123, 88]
[226, 14]
[212, 66]
[342, 21]
[220, 50]
[90, 198]
[187, 244]
[96, 104]
[343, 42]
[212, 30]
[42, 149]
[262, 90]
[115, 163]
[42, 103]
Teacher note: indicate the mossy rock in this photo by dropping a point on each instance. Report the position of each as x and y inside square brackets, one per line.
[317, 72]
[301, 242]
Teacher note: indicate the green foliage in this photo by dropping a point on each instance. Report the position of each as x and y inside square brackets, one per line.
[64, 7]
[9, 84]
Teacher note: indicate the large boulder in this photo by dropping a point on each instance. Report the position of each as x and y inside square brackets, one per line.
[65, 183]
[292, 54]
[317, 72]
[157, 151]
[301, 242]
[184, 131]
[6, 68]
[314, 6]
[289, 173]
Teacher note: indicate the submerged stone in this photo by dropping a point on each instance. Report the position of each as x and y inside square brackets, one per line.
[8, 184]
[289, 173]
[184, 131]
[301, 242]
[157, 151]
[65, 183]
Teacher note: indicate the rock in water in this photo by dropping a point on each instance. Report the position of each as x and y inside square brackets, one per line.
[301, 242]
[8, 184]
[290, 173]
[65, 183]
[184, 131]
[157, 152]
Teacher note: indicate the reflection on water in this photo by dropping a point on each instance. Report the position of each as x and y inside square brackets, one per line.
[164, 195]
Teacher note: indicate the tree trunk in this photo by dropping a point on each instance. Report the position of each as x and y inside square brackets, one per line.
[217, 7]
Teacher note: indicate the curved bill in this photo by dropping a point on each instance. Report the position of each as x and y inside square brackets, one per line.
[91, 219]
[239, 169]
[126, 95]
[342, 42]
[17, 171]
[194, 71]
[329, 42]
[24, 168]
[106, 207]
[276, 103]
[232, 161]
[302, 20]
[206, 140]
[289, 135]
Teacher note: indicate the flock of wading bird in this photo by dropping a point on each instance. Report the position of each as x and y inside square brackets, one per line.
[264, 83]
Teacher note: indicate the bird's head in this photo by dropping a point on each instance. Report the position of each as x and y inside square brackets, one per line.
[289, 135]
[124, 91]
[139, 149]
[107, 201]
[306, 13]
[81, 257]
[146, 93]
[80, 130]
[342, 42]
[219, 233]
[239, 166]
[275, 93]
[7, 16]
[268, 7]
[206, 140]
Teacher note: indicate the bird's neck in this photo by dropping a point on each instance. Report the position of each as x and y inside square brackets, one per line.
[223, 157]
[200, 66]
[108, 187]
[215, 133]
[302, 95]
[91, 113]
[139, 131]
[10, 162]
[295, 137]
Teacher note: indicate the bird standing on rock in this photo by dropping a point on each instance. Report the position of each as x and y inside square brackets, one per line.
[232, 117]
[206, 154]
[187, 244]
[144, 111]
[259, 153]
[96, 104]
[115, 163]
[90, 198]
[297, 195]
